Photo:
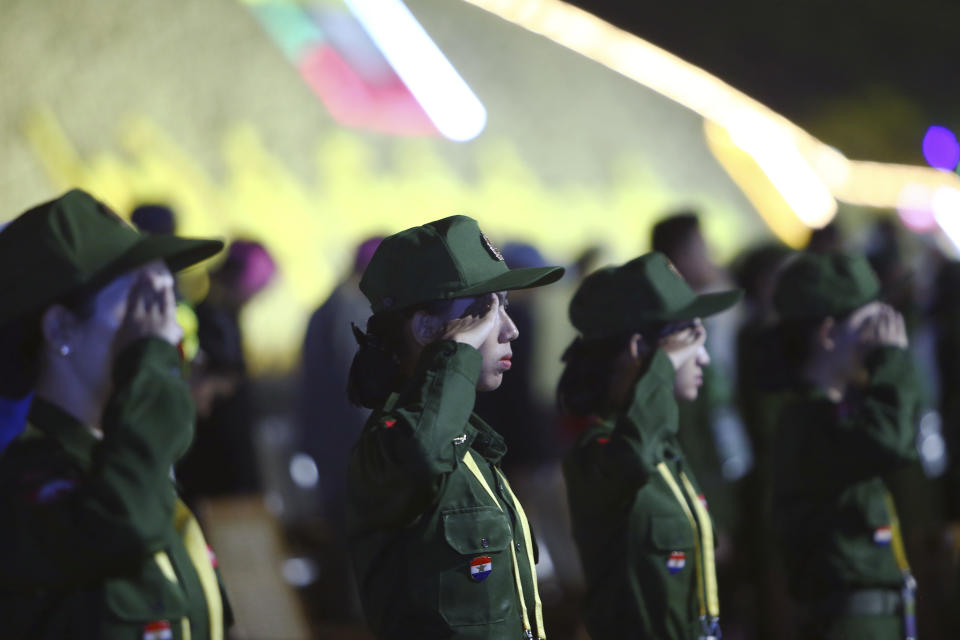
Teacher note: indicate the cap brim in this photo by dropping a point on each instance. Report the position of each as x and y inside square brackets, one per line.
[525, 278]
[178, 253]
[708, 304]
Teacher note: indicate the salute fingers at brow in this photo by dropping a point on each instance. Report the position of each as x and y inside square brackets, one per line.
[474, 329]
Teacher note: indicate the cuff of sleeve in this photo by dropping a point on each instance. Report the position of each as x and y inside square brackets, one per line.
[883, 358]
[449, 354]
[661, 367]
[146, 351]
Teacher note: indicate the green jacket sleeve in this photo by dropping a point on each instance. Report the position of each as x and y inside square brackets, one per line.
[109, 518]
[880, 424]
[626, 460]
[405, 452]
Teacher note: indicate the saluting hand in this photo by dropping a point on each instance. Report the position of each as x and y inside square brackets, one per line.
[682, 345]
[884, 326]
[475, 328]
[151, 309]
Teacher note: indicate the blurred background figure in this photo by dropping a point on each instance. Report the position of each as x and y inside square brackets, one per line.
[759, 394]
[222, 460]
[327, 426]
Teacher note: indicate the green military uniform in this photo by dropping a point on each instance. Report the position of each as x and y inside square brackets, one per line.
[639, 519]
[103, 547]
[95, 542]
[636, 542]
[835, 520]
[419, 516]
[831, 506]
[441, 546]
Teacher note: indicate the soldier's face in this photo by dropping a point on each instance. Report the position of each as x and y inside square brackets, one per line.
[689, 377]
[496, 351]
[93, 346]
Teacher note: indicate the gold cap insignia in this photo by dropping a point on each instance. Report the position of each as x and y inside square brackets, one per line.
[489, 246]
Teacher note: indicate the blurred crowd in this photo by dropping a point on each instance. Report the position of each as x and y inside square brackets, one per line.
[287, 439]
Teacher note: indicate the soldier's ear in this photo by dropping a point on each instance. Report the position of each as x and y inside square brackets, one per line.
[59, 328]
[638, 348]
[425, 327]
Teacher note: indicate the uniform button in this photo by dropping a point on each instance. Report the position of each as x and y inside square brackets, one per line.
[484, 543]
[518, 546]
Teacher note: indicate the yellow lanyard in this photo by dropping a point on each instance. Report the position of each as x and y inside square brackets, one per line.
[705, 563]
[525, 527]
[188, 528]
[896, 537]
[199, 553]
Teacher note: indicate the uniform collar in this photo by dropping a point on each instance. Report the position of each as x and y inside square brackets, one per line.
[484, 440]
[73, 435]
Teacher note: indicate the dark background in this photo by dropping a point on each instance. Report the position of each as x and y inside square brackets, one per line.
[865, 77]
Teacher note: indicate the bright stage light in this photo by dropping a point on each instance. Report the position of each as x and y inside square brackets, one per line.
[946, 209]
[941, 149]
[915, 207]
[772, 149]
[445, 97]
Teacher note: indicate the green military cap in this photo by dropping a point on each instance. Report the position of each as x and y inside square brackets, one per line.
[75, 244]
[817, 285]
[644, 292]
[442, 260]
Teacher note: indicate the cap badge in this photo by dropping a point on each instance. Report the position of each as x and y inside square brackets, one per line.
[674, 269]
[480, 568]
[489, 246]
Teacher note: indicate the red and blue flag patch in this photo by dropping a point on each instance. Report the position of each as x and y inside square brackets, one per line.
[676, 561]
[883, 535]
[159, 630]
[480, 568]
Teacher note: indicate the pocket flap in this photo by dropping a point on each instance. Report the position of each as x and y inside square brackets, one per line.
[150, 595]
[476, 530]
[671, 533]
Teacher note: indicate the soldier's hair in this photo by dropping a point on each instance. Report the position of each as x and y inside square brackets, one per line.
[670, 234]
[796, 341]
[21, 343]
[585, 383]
[376, 371]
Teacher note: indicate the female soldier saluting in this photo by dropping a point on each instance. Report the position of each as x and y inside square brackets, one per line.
[640, 523]
[441, 546]
[96, 543]
[849, 423]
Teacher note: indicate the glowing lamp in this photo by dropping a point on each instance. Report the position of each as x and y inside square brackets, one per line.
[941, 149]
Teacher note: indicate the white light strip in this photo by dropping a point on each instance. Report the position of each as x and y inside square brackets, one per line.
[445, 97]
[822, 170]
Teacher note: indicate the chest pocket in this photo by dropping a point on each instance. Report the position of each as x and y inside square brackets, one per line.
[150, 596]
[478, 585]
[671, 533]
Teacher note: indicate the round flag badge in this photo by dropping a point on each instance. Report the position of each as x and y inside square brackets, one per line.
[883, 535]
[676, 561]
[159, 630]
[480, 568]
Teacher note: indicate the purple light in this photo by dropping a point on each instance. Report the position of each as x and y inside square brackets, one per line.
[941, 149]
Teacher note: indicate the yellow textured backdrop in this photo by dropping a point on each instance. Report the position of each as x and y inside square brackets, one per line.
[192, 104]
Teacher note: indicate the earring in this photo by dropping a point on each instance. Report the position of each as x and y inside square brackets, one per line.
[64, 350]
